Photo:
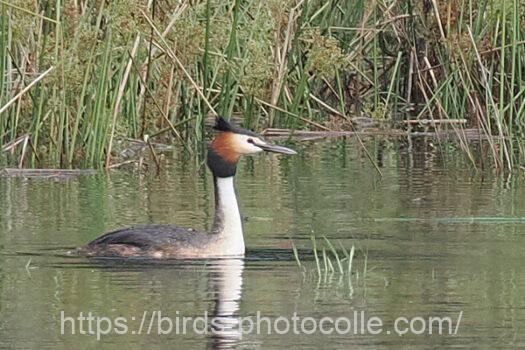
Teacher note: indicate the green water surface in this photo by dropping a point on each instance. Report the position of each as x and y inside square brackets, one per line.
[433, 237]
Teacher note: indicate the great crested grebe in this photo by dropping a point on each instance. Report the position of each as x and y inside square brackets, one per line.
[170, 241]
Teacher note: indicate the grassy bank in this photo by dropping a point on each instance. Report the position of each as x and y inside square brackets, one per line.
[78, 75]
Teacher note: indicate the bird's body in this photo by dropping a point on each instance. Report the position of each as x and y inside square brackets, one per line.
[170, 241]
[153, 241]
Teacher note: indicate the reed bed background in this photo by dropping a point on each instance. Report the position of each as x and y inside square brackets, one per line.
[77, 75]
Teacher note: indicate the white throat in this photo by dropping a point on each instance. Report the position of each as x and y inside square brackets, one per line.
[227, 223]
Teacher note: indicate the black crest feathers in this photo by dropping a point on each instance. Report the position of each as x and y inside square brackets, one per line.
[222, 125]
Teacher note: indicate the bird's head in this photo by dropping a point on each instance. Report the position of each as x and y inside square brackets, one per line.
[231, 143]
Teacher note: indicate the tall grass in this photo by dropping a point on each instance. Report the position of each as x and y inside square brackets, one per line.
[163, 68]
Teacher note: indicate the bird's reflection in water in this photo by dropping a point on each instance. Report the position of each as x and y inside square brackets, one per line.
[227, 279]
[223, 294]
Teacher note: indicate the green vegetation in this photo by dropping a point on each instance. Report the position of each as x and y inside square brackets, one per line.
[78, 75]
[334, 268]
[330, 260]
